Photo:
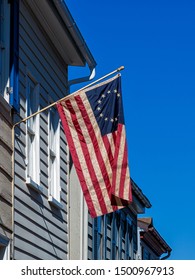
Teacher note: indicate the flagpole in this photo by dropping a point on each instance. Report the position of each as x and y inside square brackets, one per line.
[54, 103]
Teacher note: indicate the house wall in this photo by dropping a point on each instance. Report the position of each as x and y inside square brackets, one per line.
[78, 213]
[147, 253]
[5, 169]
[40, 229]
[4, 48]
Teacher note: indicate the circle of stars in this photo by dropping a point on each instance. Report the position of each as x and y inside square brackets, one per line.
[101, 115]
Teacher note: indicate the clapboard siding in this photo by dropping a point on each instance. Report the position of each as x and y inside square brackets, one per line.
[19, 167]
[36, 59]
[40, 229]
[42, 44]
[45, 242]
[41, 74]
[31, 251]
[40, 214]
[34, 200]
[5, 169]
[90, 239]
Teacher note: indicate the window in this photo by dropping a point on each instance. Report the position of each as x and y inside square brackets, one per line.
[97, 238]
[54, 157]
[4, 48]
[4, 248]
[129, 252]
[134, 236]
[33, 150]
[115, 236]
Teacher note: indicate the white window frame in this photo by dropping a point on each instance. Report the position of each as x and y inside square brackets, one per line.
[54, 189]
[4, 48]
[33, 134]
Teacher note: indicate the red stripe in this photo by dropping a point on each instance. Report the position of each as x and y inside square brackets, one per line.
[76, 161]
[114, 134]
[108, 149]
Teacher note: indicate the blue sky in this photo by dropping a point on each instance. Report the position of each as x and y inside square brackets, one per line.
[155, 42]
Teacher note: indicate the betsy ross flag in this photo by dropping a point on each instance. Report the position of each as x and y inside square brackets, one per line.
[93, 122]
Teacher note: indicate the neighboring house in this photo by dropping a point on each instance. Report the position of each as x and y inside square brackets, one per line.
[108, 237]
[151, 245]
[114, 236]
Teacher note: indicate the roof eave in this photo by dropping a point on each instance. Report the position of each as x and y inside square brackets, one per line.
[64, 35]
[75, 32]
[139, 194]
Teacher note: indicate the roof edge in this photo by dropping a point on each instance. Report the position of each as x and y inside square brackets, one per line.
[75, 32]
[138, 192]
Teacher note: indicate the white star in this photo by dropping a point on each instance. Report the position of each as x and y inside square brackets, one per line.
[118, 95]
[112, 120]
[115, 90]
[98, 108]
[99, 101]
[103, 95]
[101, 115]
[108, 91]
[106, 119]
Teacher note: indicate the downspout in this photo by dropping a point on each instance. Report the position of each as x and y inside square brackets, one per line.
[167, 256]
[79, 40]
[83, 79]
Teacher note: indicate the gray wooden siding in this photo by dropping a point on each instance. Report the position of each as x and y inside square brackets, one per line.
[5, 169]
[90, 238]
[40, 229]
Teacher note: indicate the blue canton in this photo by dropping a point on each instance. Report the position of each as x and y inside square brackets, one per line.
[106, 103]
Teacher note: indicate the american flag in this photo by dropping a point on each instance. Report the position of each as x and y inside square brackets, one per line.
[93, 122]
